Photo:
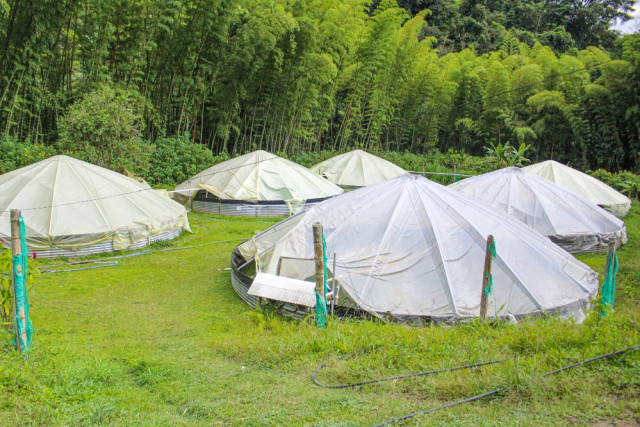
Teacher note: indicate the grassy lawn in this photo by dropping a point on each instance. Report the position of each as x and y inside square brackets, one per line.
[162, 339]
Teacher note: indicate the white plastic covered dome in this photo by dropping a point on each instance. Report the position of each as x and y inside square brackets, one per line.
[412, 247]
[357, 168]
[587, 186]
[71, 207]
[258, 178]
[567, 218]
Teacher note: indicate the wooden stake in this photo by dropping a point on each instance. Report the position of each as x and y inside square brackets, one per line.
[485, 277]
[319, 262]
[15, 251]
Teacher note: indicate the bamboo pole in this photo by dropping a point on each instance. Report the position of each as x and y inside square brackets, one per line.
[321, 296]
[485, 277]
[15, 251]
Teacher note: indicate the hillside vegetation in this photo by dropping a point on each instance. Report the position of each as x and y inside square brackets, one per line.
[105, 80]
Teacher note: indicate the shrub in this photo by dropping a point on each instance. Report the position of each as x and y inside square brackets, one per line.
[436, 161]
[308, 159]
[104, 128]
[15, 154]
[177, 158]
[6, 299]
[5, 287]
[507, 155]
[625, 182]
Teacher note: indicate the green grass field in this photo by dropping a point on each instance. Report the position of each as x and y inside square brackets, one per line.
[162, 339]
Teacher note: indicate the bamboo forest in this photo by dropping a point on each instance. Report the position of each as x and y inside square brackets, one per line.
[296, 76]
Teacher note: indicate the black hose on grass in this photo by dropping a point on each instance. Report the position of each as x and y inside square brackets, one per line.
[468, 399]
[397, 377]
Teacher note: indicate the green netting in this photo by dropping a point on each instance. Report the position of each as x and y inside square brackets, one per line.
[20, 277]
[492, 250]
[321, 300]
[609, 284]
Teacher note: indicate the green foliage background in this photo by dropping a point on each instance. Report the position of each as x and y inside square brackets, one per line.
[105, 128]
[306, 76]
[15, 154]
[175, 159]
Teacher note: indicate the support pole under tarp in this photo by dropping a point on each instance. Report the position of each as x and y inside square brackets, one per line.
[19, 275]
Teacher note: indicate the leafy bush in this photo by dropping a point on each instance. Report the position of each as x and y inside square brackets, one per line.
[6, 301]
[105, 128]
[435, 161]
[177, 158]
[625, 182]
[5, 287]
[308, 159]
[170, 160]
[15, 154]
[507, 155]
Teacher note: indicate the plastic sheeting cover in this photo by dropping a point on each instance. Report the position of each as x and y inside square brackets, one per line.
[260, 176]
[357, 168]
[262, 242]
[587, 186]
[408, 246]
[70, 204]
[570, 220]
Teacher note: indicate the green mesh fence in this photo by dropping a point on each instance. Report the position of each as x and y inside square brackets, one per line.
[609, 284]
[321, 300]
